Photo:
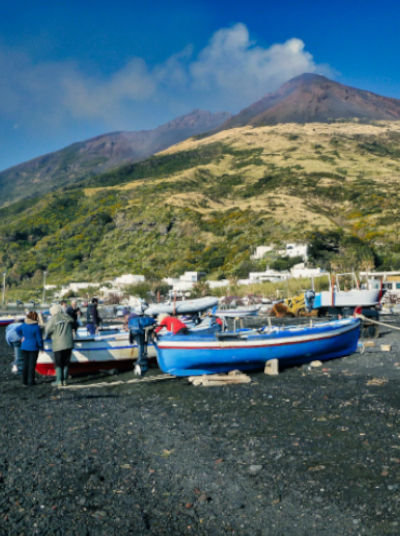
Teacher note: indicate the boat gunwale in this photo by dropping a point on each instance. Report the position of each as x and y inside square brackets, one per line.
[263, 341]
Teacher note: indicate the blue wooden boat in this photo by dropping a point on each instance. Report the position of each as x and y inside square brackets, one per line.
[209, 353]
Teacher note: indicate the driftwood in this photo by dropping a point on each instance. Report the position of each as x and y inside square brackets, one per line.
[149, 379]
[207, 380]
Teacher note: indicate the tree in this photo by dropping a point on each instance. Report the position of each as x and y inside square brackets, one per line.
[141, 290]
[200, 289]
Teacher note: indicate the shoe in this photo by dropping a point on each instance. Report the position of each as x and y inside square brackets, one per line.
[14, 369]
[58, 382]
[65, 376]
[137, 371]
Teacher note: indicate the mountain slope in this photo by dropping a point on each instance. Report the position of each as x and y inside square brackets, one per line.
[205, 204]
[313, 98]
[80, 160]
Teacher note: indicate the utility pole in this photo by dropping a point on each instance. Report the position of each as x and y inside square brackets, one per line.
[44, 286]
[3, 299]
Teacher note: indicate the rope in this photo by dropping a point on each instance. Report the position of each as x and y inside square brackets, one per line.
[376, 322]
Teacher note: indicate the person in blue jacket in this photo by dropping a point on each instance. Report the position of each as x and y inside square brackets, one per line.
[32, 342]
[14, 340]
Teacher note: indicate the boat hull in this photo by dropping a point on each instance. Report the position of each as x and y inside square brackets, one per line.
[190, 355]
[238, 312]
[351, 298]
[182, 307]
[7, 320]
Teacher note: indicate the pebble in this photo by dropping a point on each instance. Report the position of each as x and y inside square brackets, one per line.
[255, 469]
[127, 460]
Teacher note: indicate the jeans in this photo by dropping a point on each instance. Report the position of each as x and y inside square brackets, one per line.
[142, 351]
[18, 359]
[91, 328]
[28, 371]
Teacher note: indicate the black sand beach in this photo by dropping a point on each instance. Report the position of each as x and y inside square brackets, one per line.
[314, 451]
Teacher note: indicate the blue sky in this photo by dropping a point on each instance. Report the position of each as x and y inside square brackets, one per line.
[70, 70]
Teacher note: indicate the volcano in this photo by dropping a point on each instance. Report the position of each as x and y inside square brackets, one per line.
[313, 98]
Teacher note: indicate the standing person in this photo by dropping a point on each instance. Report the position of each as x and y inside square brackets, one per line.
[74, 312]
[32, 342]
[92, 317]
[172, 323]
[138, 324]
[59, 327]
[14, 340]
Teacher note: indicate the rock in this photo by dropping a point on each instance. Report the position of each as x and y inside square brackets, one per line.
[255, 469]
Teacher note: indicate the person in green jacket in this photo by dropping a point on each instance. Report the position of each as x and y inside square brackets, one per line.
[59, 327]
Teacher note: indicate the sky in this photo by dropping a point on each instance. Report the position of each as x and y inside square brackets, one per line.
[73, 69]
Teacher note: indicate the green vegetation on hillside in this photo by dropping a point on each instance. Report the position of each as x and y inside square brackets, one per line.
[168, 164]
[208, 205]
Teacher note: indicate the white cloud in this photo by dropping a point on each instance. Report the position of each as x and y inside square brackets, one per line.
[239, 72]
[106, 99]
[230, 73]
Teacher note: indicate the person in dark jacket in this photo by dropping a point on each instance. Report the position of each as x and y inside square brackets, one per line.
[32, 342]
[92, 317]
[74, 312]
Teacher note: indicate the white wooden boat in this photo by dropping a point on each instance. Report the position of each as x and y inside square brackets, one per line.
[109, 349]
[239, 312]
[9, 319]
[338, 296]
[182, 307]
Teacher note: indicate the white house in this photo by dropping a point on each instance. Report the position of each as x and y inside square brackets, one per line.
[193, 277]
[218, 284]
[299, 270]
[268, 275]
[185, 282]
[76, 287]
[127, 279]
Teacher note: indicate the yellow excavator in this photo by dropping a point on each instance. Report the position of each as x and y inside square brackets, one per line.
[295, 306]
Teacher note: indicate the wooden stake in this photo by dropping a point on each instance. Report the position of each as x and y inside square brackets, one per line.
[271, 367]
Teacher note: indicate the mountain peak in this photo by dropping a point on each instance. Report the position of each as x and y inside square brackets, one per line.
[312, 97]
